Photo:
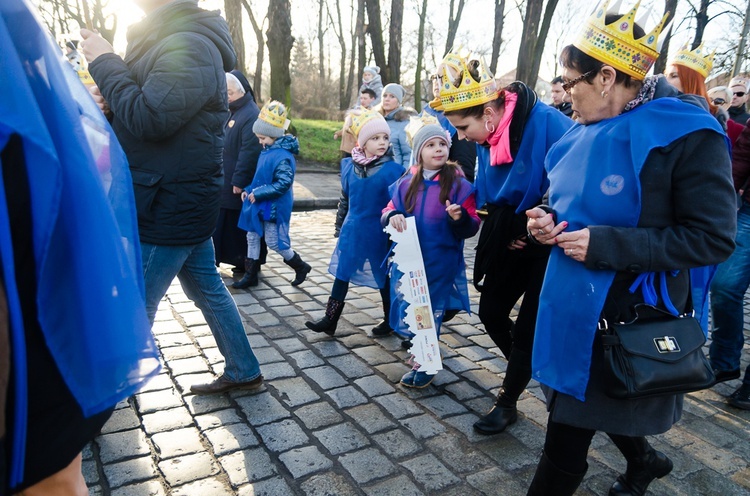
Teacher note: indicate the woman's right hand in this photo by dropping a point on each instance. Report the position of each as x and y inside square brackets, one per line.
[398, 222]
[541, 226]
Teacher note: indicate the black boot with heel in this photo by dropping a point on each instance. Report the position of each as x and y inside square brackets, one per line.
[329, 321]
[301, 269]
[504, 413]
[644, 465]
[251, 275]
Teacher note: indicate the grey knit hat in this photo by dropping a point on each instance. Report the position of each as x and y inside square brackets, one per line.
[396, 90]
[425, 134]
[272, 121]
[372, 69]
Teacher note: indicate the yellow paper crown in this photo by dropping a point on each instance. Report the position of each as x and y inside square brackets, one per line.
[362, 118]
[698, 60]
[275, 114]
[458, 89]
[615, 45]
[416, 123]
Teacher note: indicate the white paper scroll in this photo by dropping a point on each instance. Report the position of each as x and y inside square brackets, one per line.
[413, 286]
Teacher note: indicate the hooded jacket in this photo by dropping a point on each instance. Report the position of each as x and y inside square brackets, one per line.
[169, 105]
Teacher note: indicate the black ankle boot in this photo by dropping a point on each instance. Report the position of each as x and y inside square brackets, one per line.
[251, 275]
[329, 321]
[549, 480]
[647, 465]
[502, 415]
[301, 269]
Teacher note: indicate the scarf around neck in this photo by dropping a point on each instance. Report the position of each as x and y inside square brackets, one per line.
[358, 156]
[500, 139]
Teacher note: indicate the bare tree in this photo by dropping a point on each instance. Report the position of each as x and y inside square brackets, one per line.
[280, 43]
[420, 58]
[394, 41]
[661, 62]
[497, 34]
[233, 12]
[533, 38]
[258, 30]
[62, 17]
[375, 30]
[453, 20]
[321, 52]
[737, 65]
[338, 29]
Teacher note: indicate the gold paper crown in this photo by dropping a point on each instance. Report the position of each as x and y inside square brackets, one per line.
[362, 118]
[698, 60]
[615, 45]
[275, 114]
[458, 89]
[416, 123]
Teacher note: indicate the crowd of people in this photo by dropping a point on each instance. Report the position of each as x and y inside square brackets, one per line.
[625, 198]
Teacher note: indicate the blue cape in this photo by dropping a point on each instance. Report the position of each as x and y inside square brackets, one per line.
[90, 295]
[594, 180]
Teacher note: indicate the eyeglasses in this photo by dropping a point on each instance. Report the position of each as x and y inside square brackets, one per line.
[739, 94]
[719, 101]
[569, 85]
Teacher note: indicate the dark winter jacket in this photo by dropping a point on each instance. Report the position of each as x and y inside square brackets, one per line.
[566, 108]
[739, 114]
[241, 150]
[169, 105]
[741, 163]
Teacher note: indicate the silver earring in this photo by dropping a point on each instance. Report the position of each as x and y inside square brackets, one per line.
[487, 128]
[604, 94]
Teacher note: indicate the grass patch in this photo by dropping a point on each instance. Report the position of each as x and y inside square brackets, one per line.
[316, 141]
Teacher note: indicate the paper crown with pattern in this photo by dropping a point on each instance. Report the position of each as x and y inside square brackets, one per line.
[359, 119]
[458, 89]
[416, 123]
[275, 114]
[614, 43]
[699, 59]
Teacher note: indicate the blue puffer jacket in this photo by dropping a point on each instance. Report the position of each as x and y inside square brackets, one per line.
[283, 175]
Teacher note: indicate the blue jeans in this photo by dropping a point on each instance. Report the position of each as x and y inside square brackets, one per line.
[194, 266]
[727, 297]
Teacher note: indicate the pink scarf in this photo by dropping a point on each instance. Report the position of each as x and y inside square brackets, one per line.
[500, 139]
[358, 156]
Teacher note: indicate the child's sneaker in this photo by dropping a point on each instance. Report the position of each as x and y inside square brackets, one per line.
[417, 379]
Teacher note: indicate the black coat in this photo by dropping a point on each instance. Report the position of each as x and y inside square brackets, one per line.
[169, 105]
[241, 150]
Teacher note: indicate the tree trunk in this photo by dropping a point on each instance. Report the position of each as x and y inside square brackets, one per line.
[358, 35]
[394, 41]
[280, 43]
[258, 30]
[339, 30]
[420, 58]
[533, 38]
[233, 11]
[375, 29]
[361, 30]
[453, 21]
[701, 20]
[737, 66]
[661, 63]
[321, 56]
[497, 36]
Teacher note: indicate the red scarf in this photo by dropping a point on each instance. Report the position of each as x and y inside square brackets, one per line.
[499, 140]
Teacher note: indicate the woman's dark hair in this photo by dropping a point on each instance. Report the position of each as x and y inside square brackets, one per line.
[572, 57]
[449, 174]
[477, 110]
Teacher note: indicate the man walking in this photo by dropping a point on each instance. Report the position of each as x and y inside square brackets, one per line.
[168, 106]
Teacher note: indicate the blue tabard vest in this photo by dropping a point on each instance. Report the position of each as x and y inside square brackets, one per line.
[594, 180]
[442, 252]
[254, 214]
[359, 256]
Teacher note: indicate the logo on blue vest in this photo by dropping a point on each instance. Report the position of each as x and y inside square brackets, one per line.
[612, 185]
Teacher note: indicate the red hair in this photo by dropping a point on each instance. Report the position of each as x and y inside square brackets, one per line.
[694, 84]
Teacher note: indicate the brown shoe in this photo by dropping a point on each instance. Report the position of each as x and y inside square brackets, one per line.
[222, 385]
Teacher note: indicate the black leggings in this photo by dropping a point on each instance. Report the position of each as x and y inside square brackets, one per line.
[341, 287]
[521, 276]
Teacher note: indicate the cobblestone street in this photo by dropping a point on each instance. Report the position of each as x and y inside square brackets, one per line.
[332, 419]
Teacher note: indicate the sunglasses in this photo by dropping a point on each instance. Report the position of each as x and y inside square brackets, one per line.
[719, 101]
[739, 94]
[569, 85]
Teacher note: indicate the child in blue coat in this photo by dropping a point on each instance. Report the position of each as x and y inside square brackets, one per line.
[442, 202]
[267, 202]
[362, 246]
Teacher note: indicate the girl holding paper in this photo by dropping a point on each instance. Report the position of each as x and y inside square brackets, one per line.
[442, 202]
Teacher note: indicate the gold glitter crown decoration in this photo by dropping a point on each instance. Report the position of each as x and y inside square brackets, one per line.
[614, 43]
[275, 114]
[699, 59]
[416, 123]
[362, 118]
[458, 89]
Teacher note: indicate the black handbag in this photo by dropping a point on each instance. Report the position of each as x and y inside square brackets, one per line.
[654, 356]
